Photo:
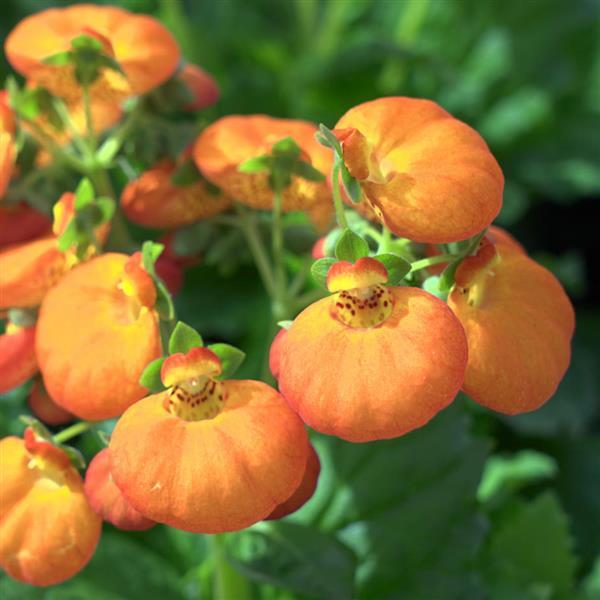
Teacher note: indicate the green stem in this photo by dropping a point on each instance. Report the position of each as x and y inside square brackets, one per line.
[89, 120]
[229, 584]
[386, 240]
[447, 278]
[109, 149]
[424, 263]
[58, 154]
[72, 431]
[338, 203]
[255, 243]
[279, 303]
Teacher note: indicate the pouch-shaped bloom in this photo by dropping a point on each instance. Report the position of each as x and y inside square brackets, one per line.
[202, 87]
[426, 175]
[305, 490]
[153, 200]
[20, 222]
[97, 331]
[30, 269]
[223, 146]
[48, 531]
[230, 451]
[519, 323]
[44, 408]
[8, 150]
[145, 50]
[106, 498]
[370, 362]
[17, 356]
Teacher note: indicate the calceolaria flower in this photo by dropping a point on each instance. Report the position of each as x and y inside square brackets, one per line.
[519, 323]
[20, 222]
[230, 451]
[106, 498]
[426, 175]
[17, 356]
[44, 408]
[225, 145]
[370, 362]
[144, 51]
[48, 531]
[97, 331]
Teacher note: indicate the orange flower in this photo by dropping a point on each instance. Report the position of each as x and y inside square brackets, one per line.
[97, 331]
[305, 490]
[223, 146]
[17, 356]
[44, 408]
[8, 150]
[48, 532]
[371, 362]
[106, 499]
[519, 323]
[426, 175]
[20, 223]
[145, 50]
[202, 86]
[153, 200]
[230, 451]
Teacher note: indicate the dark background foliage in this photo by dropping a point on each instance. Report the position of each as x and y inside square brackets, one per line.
[473, 505]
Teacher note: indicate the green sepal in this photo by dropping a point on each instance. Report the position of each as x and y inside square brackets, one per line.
[351, 246]
[320, 268]
[257, 164]
[184, 338]
[107, 208]
[164, 301]
[308, 172]
[84, 194]
[150, 253]
[38, 427]
[285, 324]
[150, 378]
[23, 317]
[86, 42]
[231, 358]
[70, 237]
[286, 147]
[469, 248]
[351, 185]
[397, 267]
[60, 59]
[327, 138]
[75, 456]
[432, 286]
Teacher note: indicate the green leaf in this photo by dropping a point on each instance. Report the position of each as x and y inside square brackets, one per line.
[397, 267]
[86, 42]
[184, 338]
[432, 286]
[327, 138]
[107, 208]
[320, 268]
[231, 358]
[258, 164]
[285, 324]
[308, 172]
[75, 456]
[286, 147]
[508, 473]
[70, 237]
[517, 568]
[150, 253]
[84, 194]
[351, 246]
[150, 377]
[351, 185]
[294, 557]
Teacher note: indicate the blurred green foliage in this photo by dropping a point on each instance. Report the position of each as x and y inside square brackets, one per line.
[472, 505]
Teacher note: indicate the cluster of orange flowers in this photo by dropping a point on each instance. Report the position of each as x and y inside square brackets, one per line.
[373, 360]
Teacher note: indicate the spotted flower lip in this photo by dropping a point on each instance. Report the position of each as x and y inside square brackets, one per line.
[426, 175]
[153, 200]
[94, 340]
[42, 494]
[375, 380]
[364, 273]
[228, 142]
[519, 323]
[211, 475]
[145, 50]
[198, 362]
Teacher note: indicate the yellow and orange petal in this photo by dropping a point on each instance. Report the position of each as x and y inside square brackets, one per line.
[305, 490]
[94, 340]
[213, 475]
[17, 356]
[106, 498]
[45, 409]
[153, 200]
[20, 222]
[426, 175]
[519, 323]
[29, 270]
[146, 51]
[203, 88]
[366, 272]
[48, 531]
[375, 382]
[198, 362]
[223, 146]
